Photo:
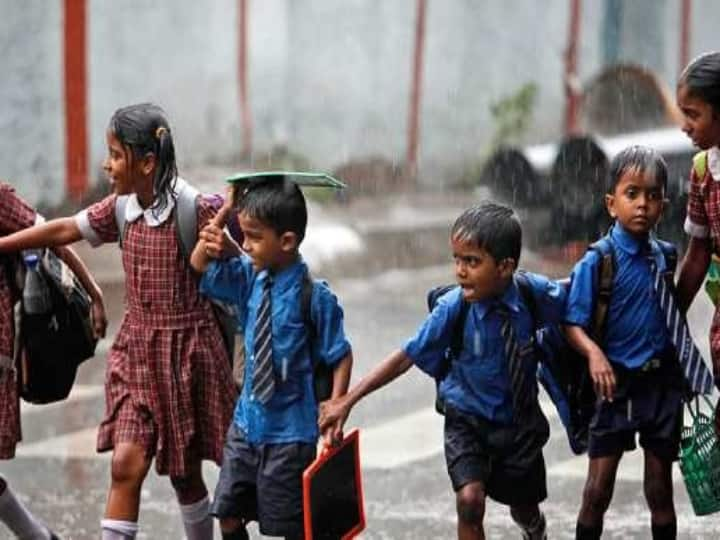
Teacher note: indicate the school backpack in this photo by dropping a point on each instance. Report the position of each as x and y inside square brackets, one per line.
[562, 371]
[187, 197]
[50, 346]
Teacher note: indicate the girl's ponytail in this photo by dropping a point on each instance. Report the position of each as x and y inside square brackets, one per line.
[144, 129]
[702, 78]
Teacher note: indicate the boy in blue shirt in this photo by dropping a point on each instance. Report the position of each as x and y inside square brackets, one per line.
[494, 428]
[635, 370]
[274, 433]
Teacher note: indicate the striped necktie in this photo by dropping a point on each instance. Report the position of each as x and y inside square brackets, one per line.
[521, 392]
[696, 372]
[263, 381]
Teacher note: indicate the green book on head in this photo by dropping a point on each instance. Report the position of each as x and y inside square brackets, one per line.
[309, 179]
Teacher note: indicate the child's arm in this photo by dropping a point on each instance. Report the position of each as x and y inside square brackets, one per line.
[334, 412]
[332, 433]
[212, 242]
[600, 369]
[78, 267]
[56, 232]
[692, 271]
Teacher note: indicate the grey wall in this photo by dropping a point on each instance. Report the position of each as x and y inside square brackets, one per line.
[328, 79]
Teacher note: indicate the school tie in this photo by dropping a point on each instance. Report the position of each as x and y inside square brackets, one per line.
[521, 392]
[263, 382]
[694, 368]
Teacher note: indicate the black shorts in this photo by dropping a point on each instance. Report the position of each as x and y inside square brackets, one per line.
[507, 459]
[264, 483]
[645, 403]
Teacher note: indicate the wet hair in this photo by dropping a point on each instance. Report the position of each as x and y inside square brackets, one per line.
[143, 128]
[642, 159]
[702, 79]
[276, 202]
[492, 227]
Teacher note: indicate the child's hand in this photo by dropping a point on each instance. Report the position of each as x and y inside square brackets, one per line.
[99, 318]
[214, 240]
[331, 418]
[602, 375]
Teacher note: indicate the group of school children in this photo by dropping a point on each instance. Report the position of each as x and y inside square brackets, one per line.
[169, 387]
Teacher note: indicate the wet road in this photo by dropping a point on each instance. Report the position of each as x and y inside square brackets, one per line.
[407, 491]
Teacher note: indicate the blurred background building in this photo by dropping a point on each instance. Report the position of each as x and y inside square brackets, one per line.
[424, 89]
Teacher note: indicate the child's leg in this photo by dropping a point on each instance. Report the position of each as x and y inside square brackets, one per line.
[194, 504]
[659, 495]
[597, 495]
[129, 467]
[531, 520]
[18, 518]
[470, 505]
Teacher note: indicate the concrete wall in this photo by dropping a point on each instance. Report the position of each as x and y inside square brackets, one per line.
[329, 80]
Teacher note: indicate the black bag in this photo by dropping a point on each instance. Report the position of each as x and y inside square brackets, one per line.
[54, 344]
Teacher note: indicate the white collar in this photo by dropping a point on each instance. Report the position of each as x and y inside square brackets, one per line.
[153, 218]
[713, 162]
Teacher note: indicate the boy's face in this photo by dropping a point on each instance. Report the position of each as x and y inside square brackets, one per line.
[267, 249]
[700, 122]
[637, 201]
[477, 272]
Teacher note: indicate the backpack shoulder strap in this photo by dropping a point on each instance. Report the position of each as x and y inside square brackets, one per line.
[526, 293]
[606, 273]
[670, 253]
[456, 342]
[306, 292]
[186, 200]
[700, 164]
[120, 206]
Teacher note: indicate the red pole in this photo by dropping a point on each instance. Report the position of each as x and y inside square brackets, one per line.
[685, 15]
[415, 90]
[76, 148]
[572, 83]
[245, 116]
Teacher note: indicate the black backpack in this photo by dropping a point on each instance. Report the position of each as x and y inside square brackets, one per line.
[50, 346]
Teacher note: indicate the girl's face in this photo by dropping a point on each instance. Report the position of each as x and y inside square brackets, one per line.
[122, 169]
[700, 122]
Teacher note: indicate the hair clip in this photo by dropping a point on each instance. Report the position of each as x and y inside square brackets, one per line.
[159, 131]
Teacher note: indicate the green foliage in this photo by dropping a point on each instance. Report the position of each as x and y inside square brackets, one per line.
[512, 114]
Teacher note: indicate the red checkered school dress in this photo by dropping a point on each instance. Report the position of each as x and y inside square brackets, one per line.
[168, 385]
[15, 214]
[704, 211]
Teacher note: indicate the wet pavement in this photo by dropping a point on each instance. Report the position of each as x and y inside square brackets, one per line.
[407, 492]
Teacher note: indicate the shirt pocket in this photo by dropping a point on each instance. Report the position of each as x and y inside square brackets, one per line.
[288, 362]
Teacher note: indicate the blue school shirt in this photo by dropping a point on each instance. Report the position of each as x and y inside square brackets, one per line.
[635, 326]
[291, 413]
[478, 382]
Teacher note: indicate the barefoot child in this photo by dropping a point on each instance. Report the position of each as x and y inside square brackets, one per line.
[16, 214]
[494, 428]
[168, 385]
[274, 433]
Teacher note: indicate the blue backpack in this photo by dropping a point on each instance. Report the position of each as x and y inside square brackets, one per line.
[562, 371]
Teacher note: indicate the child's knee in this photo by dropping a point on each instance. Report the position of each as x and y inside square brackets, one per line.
[233, 528]
[189, 488]
[129, 464]
[470, 503]
[597, 496]
[658, 494]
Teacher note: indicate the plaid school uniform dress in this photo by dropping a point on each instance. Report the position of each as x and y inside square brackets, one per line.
[703, 221]
[168, 384]
[15, 214]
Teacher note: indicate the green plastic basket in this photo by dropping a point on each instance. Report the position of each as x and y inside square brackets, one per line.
[712, 281]
[700, 460]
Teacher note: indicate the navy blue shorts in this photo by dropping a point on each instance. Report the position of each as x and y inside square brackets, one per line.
[648, 404]
[507, 459]
[264, 483]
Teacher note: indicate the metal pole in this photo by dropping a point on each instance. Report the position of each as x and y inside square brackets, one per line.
[75, 84]
[415, 90]
[685, 18]
[245, 114]
[572, 82]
